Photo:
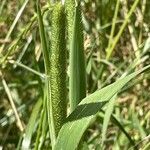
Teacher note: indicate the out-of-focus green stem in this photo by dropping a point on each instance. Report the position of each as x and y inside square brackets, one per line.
[116, 39]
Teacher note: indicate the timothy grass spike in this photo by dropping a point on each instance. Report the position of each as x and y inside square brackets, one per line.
[70, 10]
[57, 73]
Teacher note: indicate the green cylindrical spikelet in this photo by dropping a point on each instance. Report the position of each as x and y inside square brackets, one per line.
[70, 10]
[58, 68]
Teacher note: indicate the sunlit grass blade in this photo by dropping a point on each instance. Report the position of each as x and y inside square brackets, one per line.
[46, 55]
[113, 24]
[2, 6]
[77, 80]
[121, 127]
[19, 143]
[12, 103]
[146, 147]
[116, 39]
[14, 24]
[31, 126]
[147, 45]
[43, 39]
[137, 125]
[107, 116]
[42, 128]
[27, 68]
[79, 119]
[112, 45]
[13, 45]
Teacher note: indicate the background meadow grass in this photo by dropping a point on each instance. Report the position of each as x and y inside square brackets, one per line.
[116, 42]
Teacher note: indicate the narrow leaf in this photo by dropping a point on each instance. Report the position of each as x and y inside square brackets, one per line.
[136, 124]
[77, 81]
[121, 127]
[147, 45]
[31, 125]
[14, 23]
[107, 116]
[43, 38]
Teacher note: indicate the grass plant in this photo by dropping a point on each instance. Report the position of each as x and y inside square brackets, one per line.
[74, 75]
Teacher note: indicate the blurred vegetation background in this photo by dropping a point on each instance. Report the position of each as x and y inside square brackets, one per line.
[22, 68]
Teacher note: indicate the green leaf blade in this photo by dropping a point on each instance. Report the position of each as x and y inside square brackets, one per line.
[77, 62]
[107, 116]
[76, 124]
[31, 125]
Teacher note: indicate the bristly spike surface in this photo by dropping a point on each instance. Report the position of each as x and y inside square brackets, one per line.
[58, 69]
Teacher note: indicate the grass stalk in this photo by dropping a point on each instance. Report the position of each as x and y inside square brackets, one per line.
[31, 125]
[27, 68]
[47, 72]
[14, 24]
[122, 29]
[116, 39]
[113, 24]
[8, 92]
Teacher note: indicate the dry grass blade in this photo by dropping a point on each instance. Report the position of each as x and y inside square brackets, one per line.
[19, 123]
[14, 24]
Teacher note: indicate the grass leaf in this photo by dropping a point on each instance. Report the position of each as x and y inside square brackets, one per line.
[77, 63]
[76, 124]
[31, 126]
[107, 116]
[14, 23]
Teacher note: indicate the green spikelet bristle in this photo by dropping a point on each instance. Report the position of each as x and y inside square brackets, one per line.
[58, 67]
[70, 10]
